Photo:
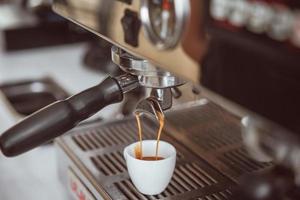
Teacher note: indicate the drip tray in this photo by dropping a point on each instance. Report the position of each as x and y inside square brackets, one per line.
[95, 153]
[28, 96]
[215, 136]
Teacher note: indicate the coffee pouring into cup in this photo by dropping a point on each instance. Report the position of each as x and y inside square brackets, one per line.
[150, 163]
[151, 177]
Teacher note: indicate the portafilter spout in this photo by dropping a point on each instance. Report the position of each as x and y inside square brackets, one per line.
[151, 107]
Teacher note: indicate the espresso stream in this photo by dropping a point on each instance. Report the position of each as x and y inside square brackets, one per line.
[138, 149]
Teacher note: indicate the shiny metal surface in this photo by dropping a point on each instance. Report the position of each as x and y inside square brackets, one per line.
[150, 106]
[133, 64]
[182, 60]
[210, 161]
[165, 81]
[173, 30]
[164, 97]
[148, 74]
[104, 19]
[96, 16]
[127, 82]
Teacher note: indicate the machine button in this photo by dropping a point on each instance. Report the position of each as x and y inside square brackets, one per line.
[131, 27]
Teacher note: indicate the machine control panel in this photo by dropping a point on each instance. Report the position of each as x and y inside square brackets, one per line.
[276, 19]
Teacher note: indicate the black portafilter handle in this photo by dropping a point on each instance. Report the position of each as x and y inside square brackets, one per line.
[59, 117]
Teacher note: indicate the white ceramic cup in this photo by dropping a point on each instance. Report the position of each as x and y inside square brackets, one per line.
[151, 177]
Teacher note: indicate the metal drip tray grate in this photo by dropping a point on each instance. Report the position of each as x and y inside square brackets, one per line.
[218, 196]
[131, 193]
[110, 164]
[214, 135]
[99, 148]
[240, 162]
[123, 133]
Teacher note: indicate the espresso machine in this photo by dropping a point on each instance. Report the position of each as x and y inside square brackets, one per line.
[238, 140]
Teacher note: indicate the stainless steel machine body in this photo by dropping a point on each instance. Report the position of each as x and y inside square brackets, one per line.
[159, 41]
[113, 20]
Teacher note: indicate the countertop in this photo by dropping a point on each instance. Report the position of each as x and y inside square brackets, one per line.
[33, 175]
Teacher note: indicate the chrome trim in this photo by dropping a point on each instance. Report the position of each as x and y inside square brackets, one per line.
[127, 82]
[164, 96]
[150, 107]
[148, 74]
[182, 11]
